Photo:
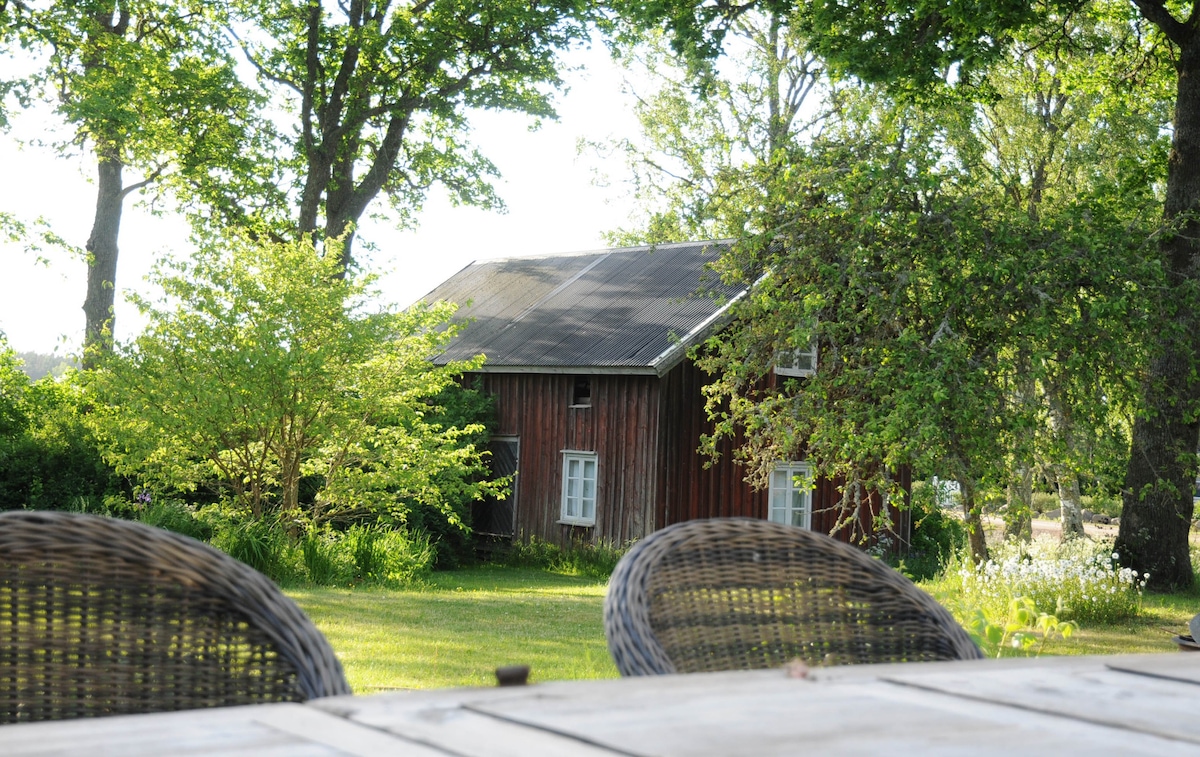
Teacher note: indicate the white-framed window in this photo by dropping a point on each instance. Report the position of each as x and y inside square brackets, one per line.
[790, 499]
[797, 362]
[579, 488]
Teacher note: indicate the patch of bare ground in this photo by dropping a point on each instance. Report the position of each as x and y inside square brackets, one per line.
[994, 529]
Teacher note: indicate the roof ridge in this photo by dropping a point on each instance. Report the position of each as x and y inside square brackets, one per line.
[603, 251]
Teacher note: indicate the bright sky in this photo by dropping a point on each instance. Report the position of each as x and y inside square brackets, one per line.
[553, 206]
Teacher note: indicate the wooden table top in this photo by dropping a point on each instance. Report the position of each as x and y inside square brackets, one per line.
[1121, 705]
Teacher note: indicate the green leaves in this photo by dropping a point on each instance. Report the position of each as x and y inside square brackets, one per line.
[263, 367]
[1024, 629]
[376, 96]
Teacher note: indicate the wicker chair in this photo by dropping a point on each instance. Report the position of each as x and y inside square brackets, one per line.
[102, 617]
[738, 594]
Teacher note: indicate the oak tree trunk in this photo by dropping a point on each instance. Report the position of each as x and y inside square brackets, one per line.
[1157, 507]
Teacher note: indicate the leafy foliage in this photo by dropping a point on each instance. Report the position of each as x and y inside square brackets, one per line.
[378, 94]
[143, 84]
[1023, 628]
[922, 291]
[48, 456]
[691, 168]
[937, 536]
[262, 368]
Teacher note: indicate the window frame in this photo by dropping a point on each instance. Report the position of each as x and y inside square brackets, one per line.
[795, 469]
[787, 362]
[580, 519]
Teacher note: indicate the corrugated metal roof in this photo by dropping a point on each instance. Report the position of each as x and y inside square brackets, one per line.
[633, 308]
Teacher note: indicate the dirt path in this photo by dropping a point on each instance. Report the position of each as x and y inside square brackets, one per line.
[995, 529]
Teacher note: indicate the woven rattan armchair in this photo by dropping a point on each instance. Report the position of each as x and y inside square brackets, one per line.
[101, 616]
[738, 594]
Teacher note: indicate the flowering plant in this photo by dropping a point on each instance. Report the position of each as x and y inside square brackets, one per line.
[1082, 581]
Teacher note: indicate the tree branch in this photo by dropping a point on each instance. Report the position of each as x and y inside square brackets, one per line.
[259, 67]
[1155, 11]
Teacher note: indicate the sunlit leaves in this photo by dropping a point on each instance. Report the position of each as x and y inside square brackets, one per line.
[262, 366]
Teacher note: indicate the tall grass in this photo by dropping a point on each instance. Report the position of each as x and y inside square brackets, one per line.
[593, 560]
[325, 557]
[260, 543]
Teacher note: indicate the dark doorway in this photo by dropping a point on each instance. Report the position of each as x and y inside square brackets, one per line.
[498, 517]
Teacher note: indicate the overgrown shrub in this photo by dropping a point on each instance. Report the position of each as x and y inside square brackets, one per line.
[174, 516]
[48, 456]
[937, 535]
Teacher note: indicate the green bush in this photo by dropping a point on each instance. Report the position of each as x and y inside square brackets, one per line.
[1104, 505]
[454, 547]
[48, 456]
[937, 535]
[1044, 502]
[263, 544]
[174, 516]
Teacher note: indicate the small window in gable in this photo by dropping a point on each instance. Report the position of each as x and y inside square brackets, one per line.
[581, 392]
[797, 362]
[579, 489]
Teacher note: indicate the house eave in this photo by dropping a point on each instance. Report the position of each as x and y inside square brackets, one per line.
[573, 370]
[675, 354]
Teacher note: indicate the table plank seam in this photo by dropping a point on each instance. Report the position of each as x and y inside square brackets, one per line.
[1170, 736]
[289, 728]
[1151, 674]
[546, 729]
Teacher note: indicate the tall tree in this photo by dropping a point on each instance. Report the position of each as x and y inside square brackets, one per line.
[924, 43]
[1053, 130]
[379, 92]
[692, 166]
[145, 85]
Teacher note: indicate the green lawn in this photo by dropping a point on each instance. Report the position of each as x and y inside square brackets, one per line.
[463, 624]
[1163, 616]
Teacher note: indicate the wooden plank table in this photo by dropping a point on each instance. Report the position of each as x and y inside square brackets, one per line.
[1123, 705]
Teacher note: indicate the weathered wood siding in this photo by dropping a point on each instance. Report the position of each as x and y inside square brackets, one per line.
[620, 426]
[689, 490]
[645, 433]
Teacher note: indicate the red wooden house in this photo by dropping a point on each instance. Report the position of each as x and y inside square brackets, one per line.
[600, 409]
